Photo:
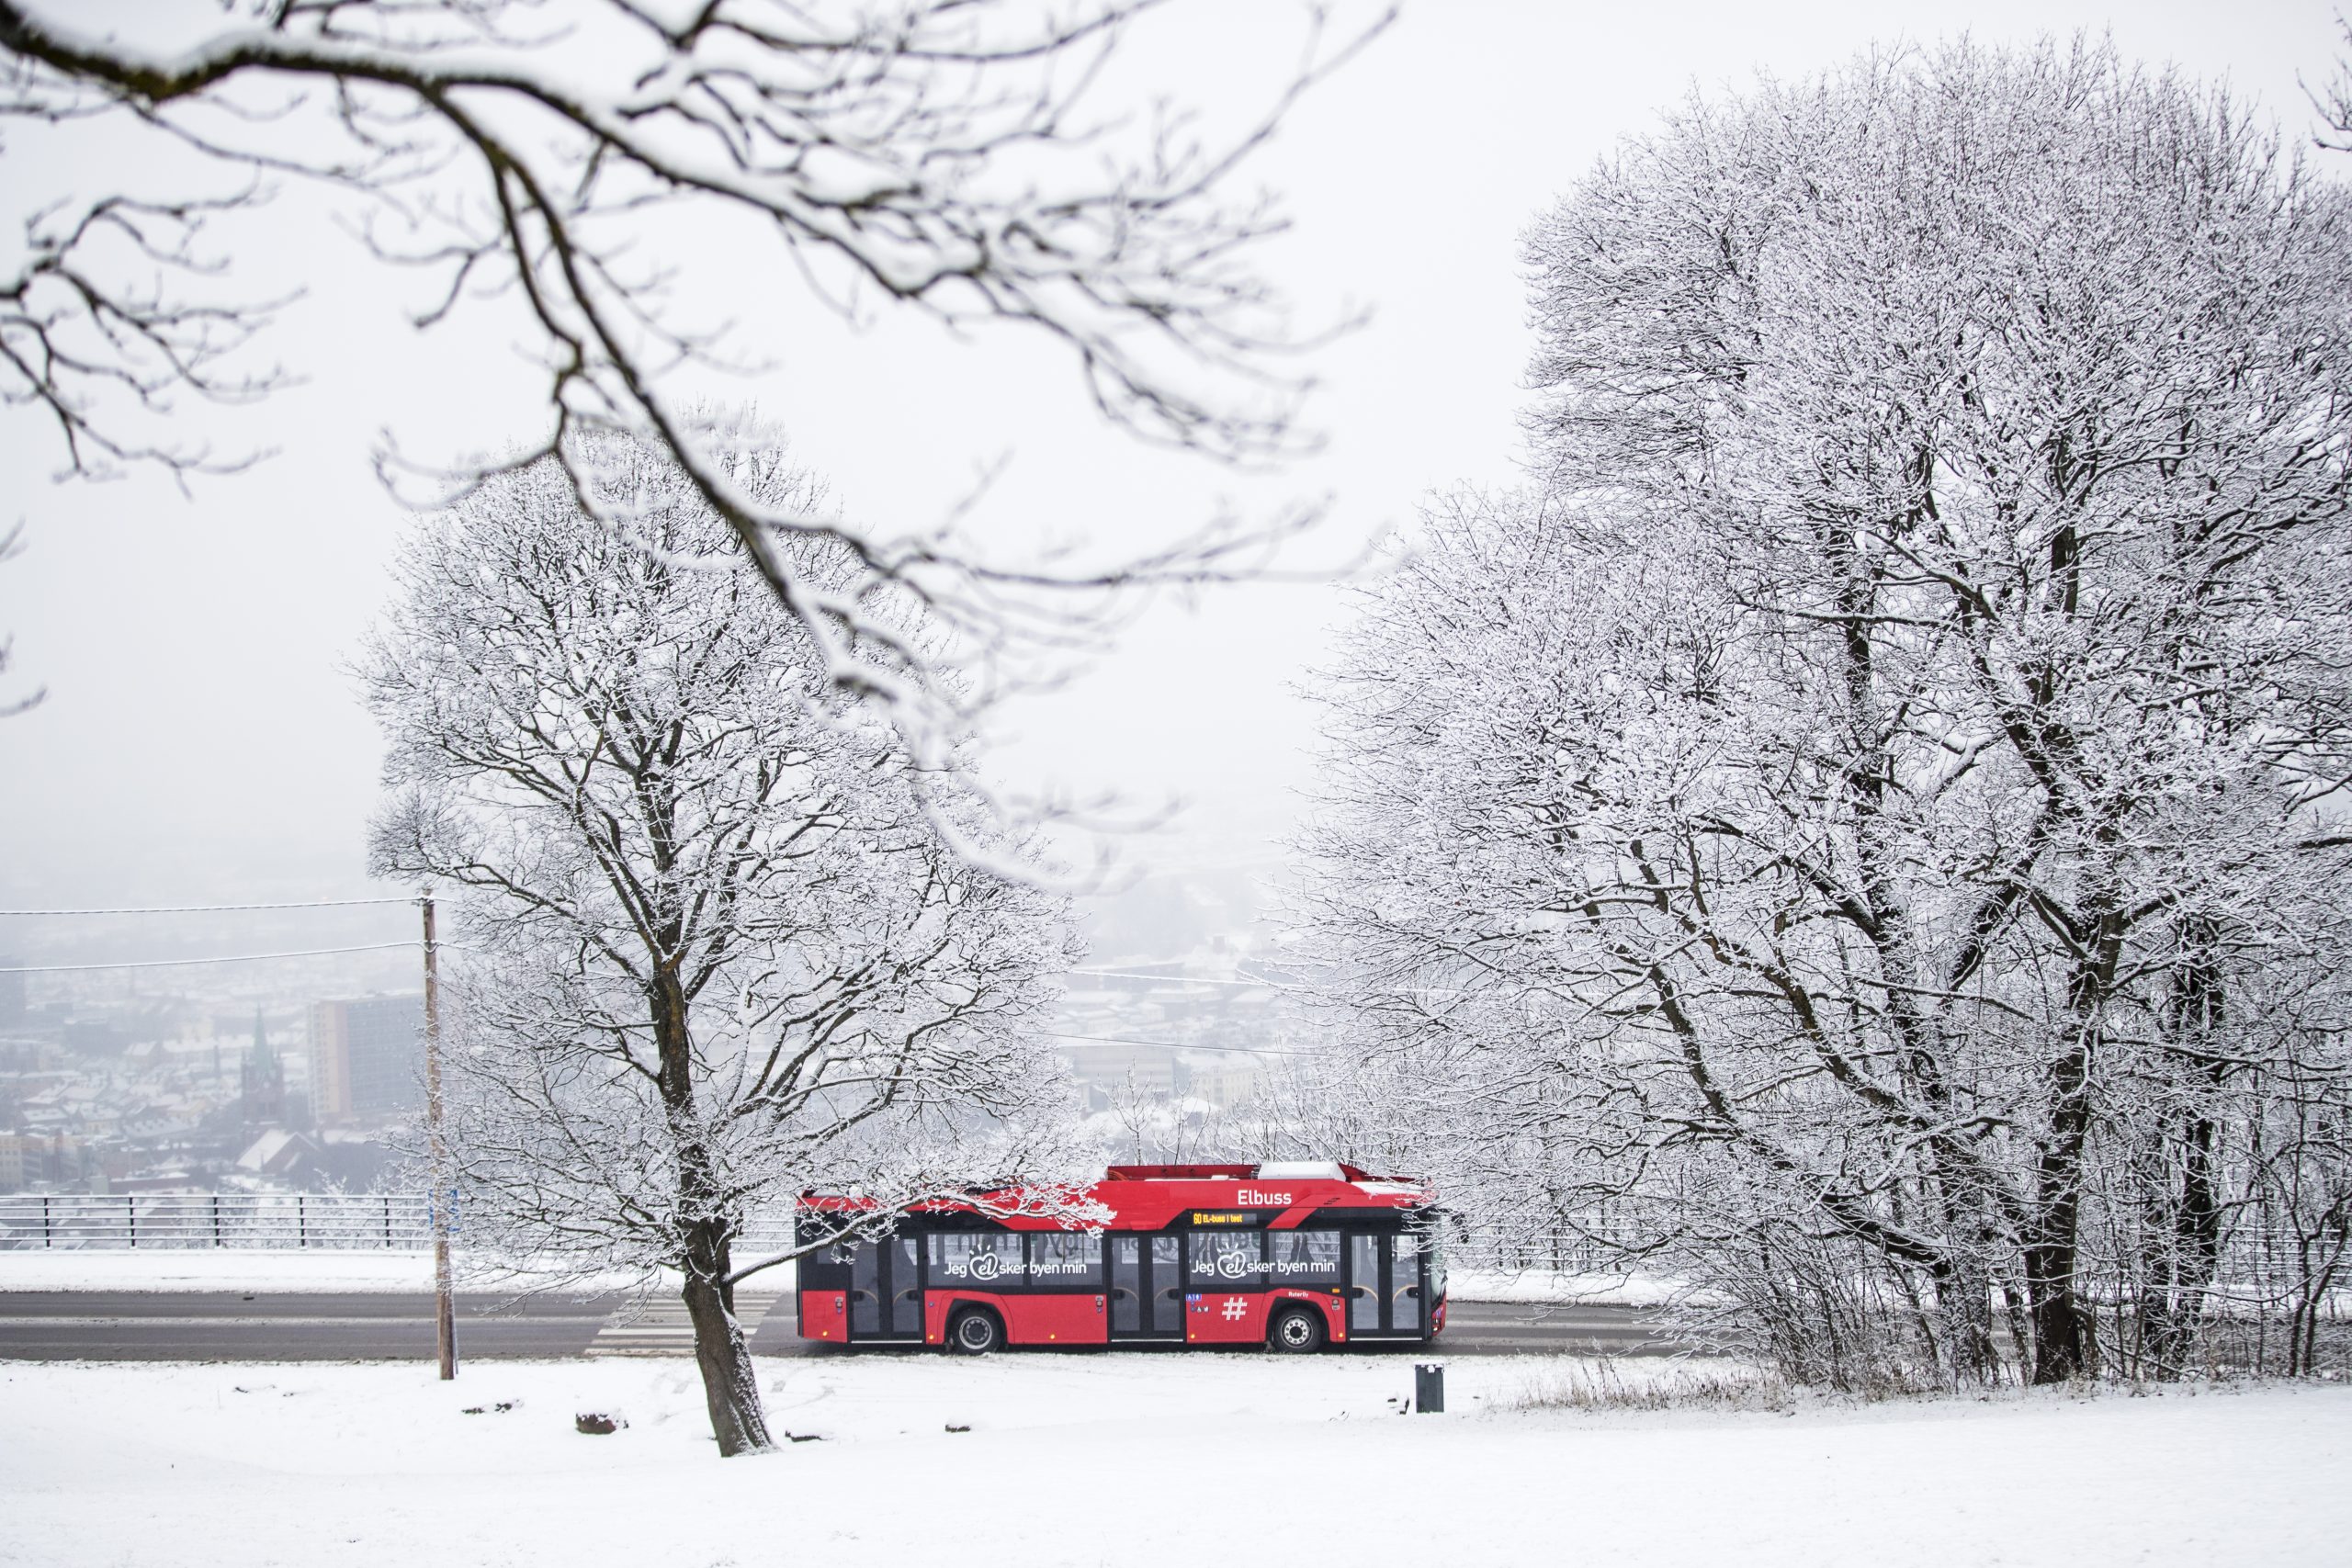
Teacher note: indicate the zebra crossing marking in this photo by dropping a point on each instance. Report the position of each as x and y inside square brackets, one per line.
[664, 1329]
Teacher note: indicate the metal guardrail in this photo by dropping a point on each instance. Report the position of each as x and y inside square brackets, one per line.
[183, 1220]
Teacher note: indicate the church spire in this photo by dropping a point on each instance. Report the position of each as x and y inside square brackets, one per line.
[264, 1080]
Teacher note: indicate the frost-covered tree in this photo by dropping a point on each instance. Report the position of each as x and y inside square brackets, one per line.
[563, 171]
[1847, 831]
[712, 946]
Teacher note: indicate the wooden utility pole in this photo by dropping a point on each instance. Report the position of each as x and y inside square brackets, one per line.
[445, 1318]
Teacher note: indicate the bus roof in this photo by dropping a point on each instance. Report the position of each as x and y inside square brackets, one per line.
[1156, 1197]
[1292, 1170]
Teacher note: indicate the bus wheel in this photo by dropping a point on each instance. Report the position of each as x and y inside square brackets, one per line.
[975, 1332]
[1295, 1330]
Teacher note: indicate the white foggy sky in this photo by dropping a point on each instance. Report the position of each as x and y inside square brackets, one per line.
[200, 740]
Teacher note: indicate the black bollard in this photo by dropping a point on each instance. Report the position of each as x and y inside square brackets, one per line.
[1428, 1387]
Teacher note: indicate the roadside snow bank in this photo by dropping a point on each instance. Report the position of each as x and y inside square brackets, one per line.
[1200, 1456]
[313, 1270]
[1591, 1290]
[223, 1268]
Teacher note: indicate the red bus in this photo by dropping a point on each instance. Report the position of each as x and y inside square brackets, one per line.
[1293, 1256]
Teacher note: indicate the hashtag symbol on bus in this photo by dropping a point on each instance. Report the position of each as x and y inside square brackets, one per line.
[1233, 1307]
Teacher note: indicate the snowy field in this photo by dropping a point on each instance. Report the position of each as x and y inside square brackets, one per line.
[1134, 1458]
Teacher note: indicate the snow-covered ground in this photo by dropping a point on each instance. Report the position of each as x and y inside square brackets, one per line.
[1132, 1457]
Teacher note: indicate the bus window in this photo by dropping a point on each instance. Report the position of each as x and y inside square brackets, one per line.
[1229, 1260]
[1127, 1284]
[983, 1260]
[1303, 1257]
[1167, 1292]
[1060, 1261]
[1364, 1284]
[865, 1288]
[1404, 1284]
[906, 1289]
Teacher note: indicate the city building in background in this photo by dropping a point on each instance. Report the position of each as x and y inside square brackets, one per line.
[118, 1076]
[367, 1057]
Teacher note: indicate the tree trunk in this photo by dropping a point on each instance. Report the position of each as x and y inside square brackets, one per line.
[1964, 1301]
[2054, 1247]
[2172, 1322]
[2173, 1318]
[2053, 1244]
[731, 1385]
[2021, 1335]
[730, 1388]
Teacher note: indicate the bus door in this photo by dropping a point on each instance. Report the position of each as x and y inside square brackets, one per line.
[885, 1290]
[1147, 1288]
[1386, 1298]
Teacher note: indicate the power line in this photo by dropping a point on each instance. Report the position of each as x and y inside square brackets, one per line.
[1173, 1044]
[215, 908]
[226, 958]
[1185, 979]
[1254, 984]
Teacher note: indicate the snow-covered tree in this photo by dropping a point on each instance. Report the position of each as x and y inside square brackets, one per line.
[712, 948]
[562, 171]
[1847, 829]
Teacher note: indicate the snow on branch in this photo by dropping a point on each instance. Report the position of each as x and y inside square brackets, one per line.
[955, 159]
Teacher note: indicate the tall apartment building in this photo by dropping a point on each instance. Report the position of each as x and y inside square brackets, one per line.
[1112, 1069]
[367, 1057]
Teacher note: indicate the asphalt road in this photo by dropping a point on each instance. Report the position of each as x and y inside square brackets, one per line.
[126, 1326]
